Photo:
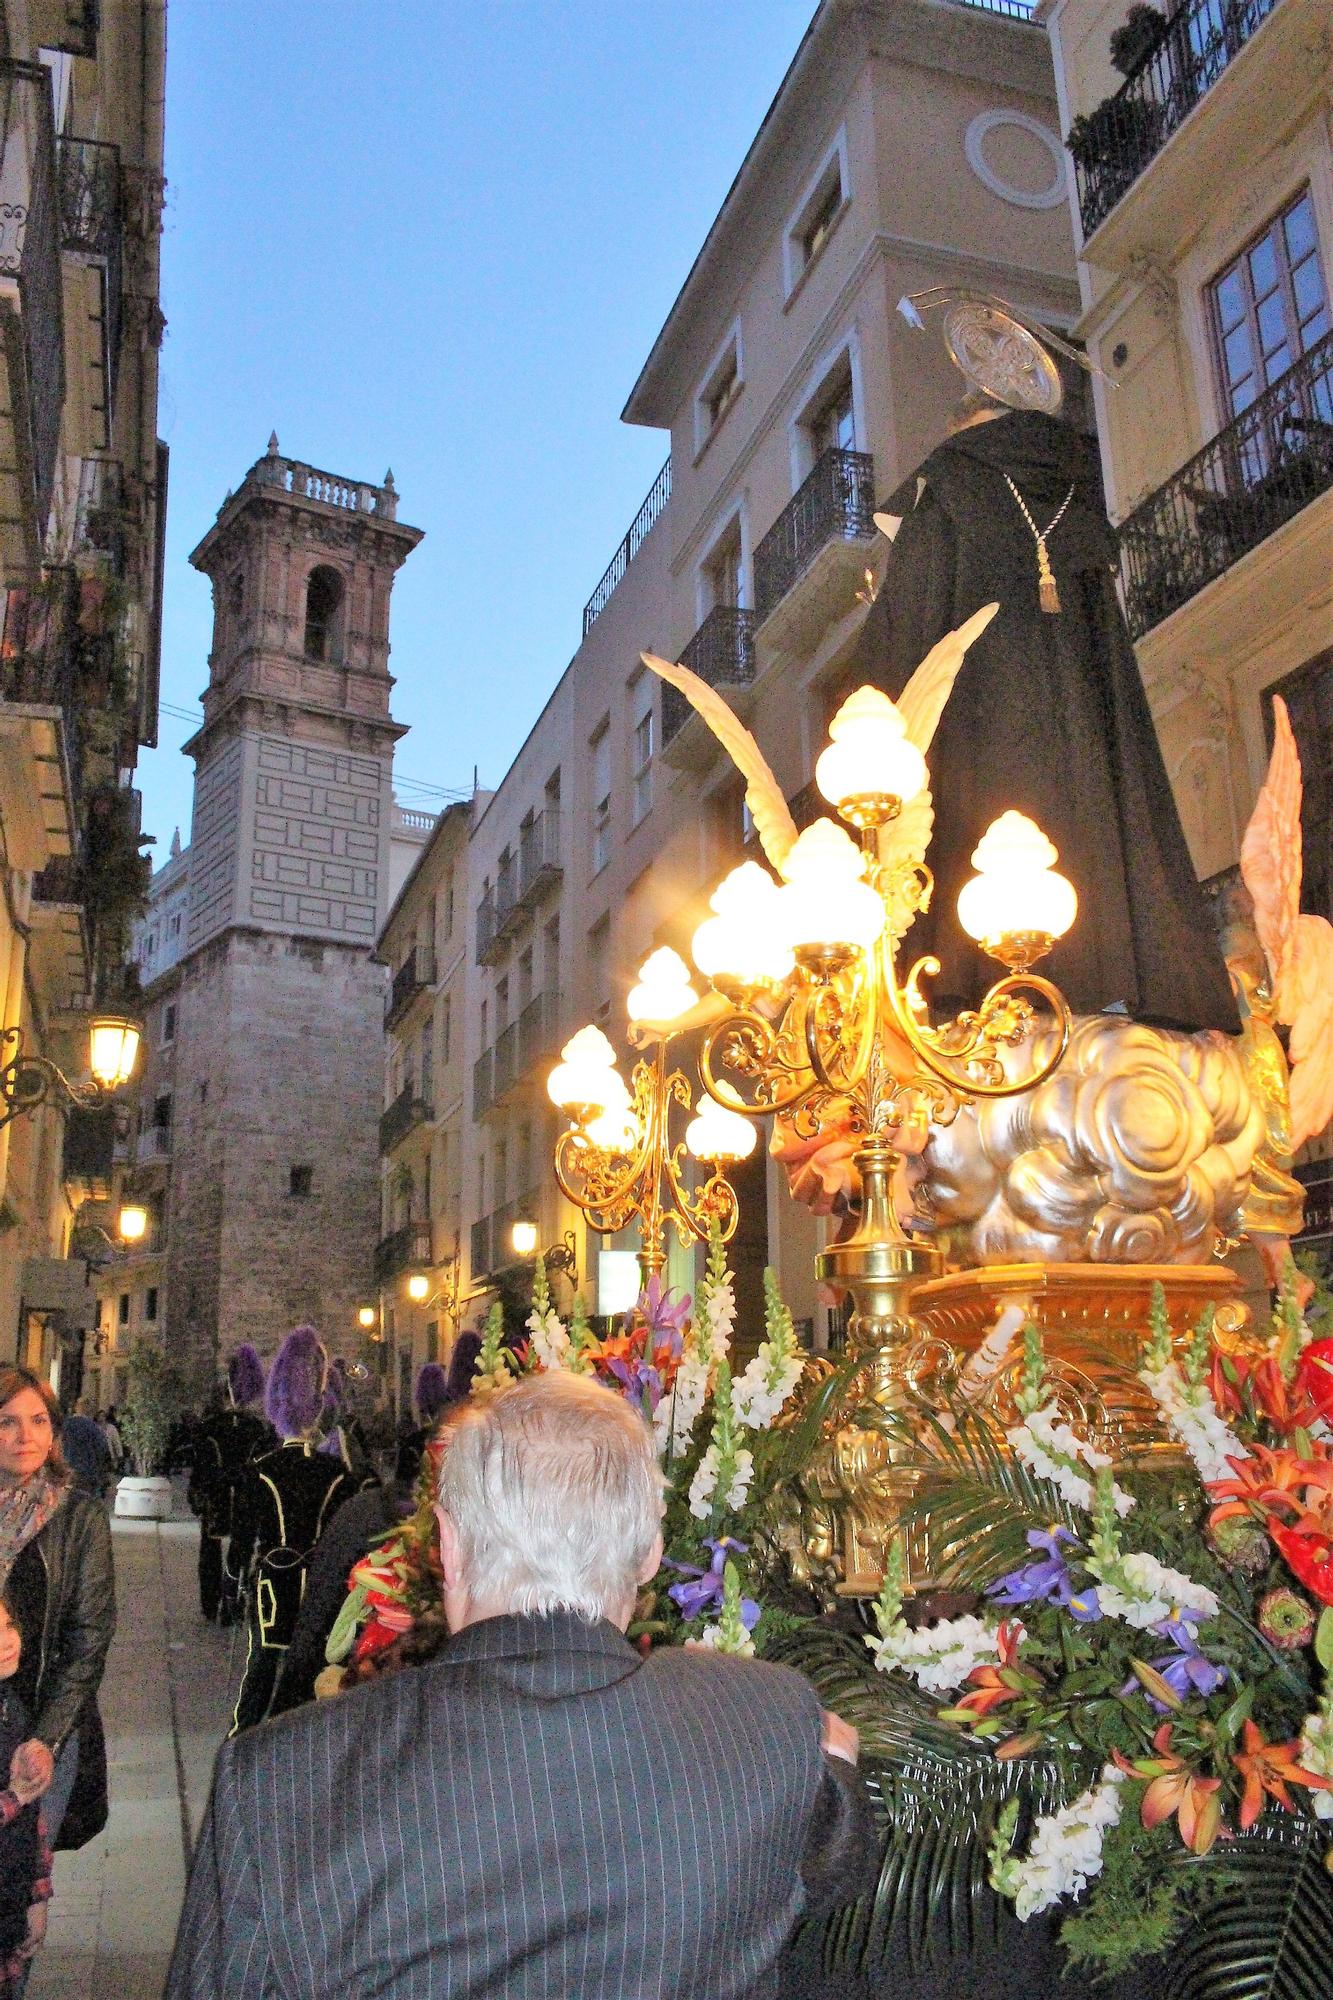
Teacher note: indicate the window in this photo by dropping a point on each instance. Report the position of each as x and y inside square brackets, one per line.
[642, 791]
[599, 938]
[724, 572]
[174, 927]
[817, 214]
[169, 1022]
[323, 603]
[601, 798]
[162, 1113]
[552, 956]
[446, 1031]
[150, 1304]
[123, 1309]
[236, 593]
[501, 1005]
[524, 977]
[721, 386]
[300, 1181]
[1268, 307]
[449, 908]
[831, 423]
[427, 1064]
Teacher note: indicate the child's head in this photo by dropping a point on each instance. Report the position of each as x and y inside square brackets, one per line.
[11, 1643]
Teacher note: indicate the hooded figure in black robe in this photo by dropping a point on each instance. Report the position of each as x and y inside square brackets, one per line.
[1047, 715]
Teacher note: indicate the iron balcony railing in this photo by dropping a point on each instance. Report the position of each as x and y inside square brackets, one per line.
[833, 504]
[1115, 142]
[488, 933]
[46, 660]
[538, 1029]
[539, 856]
[658, 495]
[415, 975]
[1269, 463]
[99, 513]
[30, 263]
[721, 653]
[507, 907]
[504, 1061]
[407, 1111]
[1014, 10]
[92, 224]
[400, 1250]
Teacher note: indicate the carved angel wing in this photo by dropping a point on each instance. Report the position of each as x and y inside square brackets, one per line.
[921, 702]
[1305, 1003]
[763, 794]
[1270, 853]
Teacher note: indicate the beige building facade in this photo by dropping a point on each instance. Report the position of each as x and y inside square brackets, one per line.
[912, 143]
[1202, 200]
[82, 515]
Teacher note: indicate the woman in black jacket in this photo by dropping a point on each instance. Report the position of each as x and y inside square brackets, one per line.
[56, 1571]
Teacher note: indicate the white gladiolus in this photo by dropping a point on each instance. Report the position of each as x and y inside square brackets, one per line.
[1050, 1448]
[1317, 1753]
[550, 1340]
[713, 1637]
[1066, 1848]
[720, 1310]
[674, 1417]
[764, 1387]
[1192, 1415]
[939, 1657]
[1142, 1591]
[705, 1479]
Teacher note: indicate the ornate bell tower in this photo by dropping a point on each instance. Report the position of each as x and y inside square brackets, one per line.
[274, 1202]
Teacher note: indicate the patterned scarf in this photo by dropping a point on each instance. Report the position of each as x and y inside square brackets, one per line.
[25, 1509]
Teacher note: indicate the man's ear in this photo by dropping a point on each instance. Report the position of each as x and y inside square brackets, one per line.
[652, 1562]
[448, 1547]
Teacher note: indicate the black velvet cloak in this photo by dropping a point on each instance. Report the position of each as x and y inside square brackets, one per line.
[1048, 715]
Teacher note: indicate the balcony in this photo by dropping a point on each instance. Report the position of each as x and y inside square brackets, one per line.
[403, 1116]
[538, 1029]
[42, 686]
[539, 867]
[489, 942]
[32, 330]
[504, 1062]
[153, 1144]
[92, 224]
[68, 25]
[508, 908]
[813, 556]
[658, 495]
[1208, 51]
[405, 1249]
[415, 975]
[88, 1151]
[721, 653]
[482, 1097]
[1266, 466]
[99, 515]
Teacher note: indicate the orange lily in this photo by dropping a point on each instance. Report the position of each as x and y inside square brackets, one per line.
[1288, 1405]
[1175, 1789]
[994, 1685]
[1267, 1481]
[1270, 1768]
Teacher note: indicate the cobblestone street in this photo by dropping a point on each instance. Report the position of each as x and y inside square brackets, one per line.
[166, 1701]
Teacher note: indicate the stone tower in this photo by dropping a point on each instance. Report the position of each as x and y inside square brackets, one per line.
[274, 1205]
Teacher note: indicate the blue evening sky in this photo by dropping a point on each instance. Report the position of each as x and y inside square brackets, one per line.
[438, 235]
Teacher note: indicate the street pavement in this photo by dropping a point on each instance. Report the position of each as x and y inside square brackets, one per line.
[166, 1702]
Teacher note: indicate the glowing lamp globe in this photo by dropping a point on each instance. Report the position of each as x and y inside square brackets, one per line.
[718, 1135]
[1016, 905]
[113, 1049]
[523, 1236]
[871, 768]
[829, 910]
[664, 992]
[418, 1287]
[742, 944]
[366, 1317]
[586, 1080]
[132, 1223]
[614, 1131]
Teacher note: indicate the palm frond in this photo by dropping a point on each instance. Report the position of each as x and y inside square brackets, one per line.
[1270, 1937]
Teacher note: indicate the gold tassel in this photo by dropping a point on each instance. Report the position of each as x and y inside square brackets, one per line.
[1048, 595]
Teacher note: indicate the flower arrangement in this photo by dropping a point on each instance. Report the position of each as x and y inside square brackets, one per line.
[1166, 1645]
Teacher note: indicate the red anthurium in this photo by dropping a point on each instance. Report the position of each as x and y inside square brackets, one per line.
[1314, 1376]
[1175, 1790]
[1269, 1768]
[1309, 1557]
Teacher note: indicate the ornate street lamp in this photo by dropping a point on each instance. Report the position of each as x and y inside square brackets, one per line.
[616, 1162]
[132, 1223]
[28, 1081]
[561, 1256]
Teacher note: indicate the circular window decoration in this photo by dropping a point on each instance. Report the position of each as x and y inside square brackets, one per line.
[974, 145]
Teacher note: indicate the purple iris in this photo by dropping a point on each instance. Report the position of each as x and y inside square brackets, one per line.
[1186, 1671]
[664, 1317]
[705, 1591]
[1048, 1581]
[642, 1383]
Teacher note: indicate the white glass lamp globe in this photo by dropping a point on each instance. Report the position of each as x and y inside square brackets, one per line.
[1016, 905]
[871, 768]
[664, 992]
[743, 942]
[614, 1131]
[827, 904]
[718, 1135]
[132, 1223]
[586, 1079]
[523, 1236]
[418, 1286]
[366, 1317]
[113, 1049]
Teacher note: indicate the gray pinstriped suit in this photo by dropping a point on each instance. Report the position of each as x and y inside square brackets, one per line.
[538, 1813]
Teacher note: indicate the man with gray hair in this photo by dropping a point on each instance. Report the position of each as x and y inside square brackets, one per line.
[540, 1811]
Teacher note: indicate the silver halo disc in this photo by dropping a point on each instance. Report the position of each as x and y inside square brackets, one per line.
[999, 355]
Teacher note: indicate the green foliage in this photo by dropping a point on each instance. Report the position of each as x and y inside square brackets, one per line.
[1159, 1348]
[154, 1399]
[1199, 1354]
[1269, 1935]
[1138, 1911]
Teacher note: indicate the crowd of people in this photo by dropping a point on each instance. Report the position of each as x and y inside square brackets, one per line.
[511, 1799]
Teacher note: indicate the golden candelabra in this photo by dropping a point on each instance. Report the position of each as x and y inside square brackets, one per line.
[617, 1162]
